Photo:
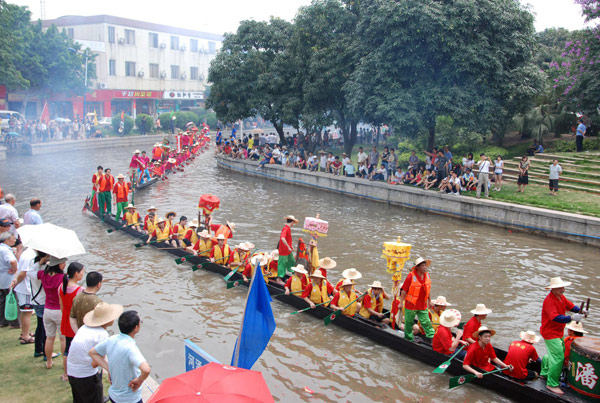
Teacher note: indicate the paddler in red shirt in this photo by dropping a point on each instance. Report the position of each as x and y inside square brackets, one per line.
[479, 313]
[351, 274]
[318, 290]
[574, 331]
[444, 341]
[286, 249]
[135, 164]
[520, 354]
[150, 221]
[552, 330]
[481, 354]
[298, 281]
[342, 299]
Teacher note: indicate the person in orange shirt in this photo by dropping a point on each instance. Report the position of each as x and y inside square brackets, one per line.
[520, 354]
[96, 180]
[226, 230]
[179, 231]
[121, 191]
[574, 331]
[415, 296]
[106, 183]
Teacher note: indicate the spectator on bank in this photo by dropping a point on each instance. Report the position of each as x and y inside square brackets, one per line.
[8, 210]
[85, 378]
[523, 179]
[322, 161]
[430, 162]
[536, 148]
[483, 180]
[313, 165]
[430, 180]
[398, 177]
[467, 180]
[254, 154]
[22, 289]
[409, 176]
[38, 300]
[8, 268]
[336, 166]
[554, 176]
[67, 292]
[392, 162]
[362, 171]
[380, 174]
[453, 184]
[267, 157]
[300, 162]
[423, 177]
[418, 176]
[330, 161]
[413, 160]
[52, 279]
[362, 156]
[127, 366]
[276, 154]
[349, 170]
[373, 160]
[447, 154]
[86, 300]
[498, 170]
[385, 155]
[580, 135]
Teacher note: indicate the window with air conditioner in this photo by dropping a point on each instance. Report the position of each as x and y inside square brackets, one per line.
[153, 39]
[153, 70]
[130, 69]
[111, 34]
[175, 42]
[193, 45]
[130, 36]
[112, 67]
[174, 72]
[193, 73]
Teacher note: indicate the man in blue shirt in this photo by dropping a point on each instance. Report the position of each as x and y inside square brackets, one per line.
[32, 216]
[579, 135]
[127, 369]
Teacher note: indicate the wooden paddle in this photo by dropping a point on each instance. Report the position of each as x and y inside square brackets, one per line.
[444, 366]
[462, 379]
[118, 228]
[581, 308]
[306, 309]
[587, 307]
[335, 314]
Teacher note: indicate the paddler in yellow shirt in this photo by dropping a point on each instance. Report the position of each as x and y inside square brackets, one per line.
[132, 217]
[344, 298]
[150, 220]
[203, 245]
[297, 281]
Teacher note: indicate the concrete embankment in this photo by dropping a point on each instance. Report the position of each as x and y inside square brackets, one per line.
[109, 142]
[573, 227]
[2, 153]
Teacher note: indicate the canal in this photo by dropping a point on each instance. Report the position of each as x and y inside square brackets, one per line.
[472, 263]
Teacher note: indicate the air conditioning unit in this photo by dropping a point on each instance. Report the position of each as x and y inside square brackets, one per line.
[101, 85]
[182, 48]
[163, 45]
[141, 73]
[183, 76]
[163, 74]
[121, 41]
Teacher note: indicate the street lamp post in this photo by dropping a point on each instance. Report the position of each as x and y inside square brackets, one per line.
[84, 81]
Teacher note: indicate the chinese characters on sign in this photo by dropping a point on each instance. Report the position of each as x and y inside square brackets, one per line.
[136, 94]
[182, 95]
[586, 374]
[195, 357]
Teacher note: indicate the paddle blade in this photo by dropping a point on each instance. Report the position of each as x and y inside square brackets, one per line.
[227, 277]
[332, 317]
[231, 284]
[139, 245]
[442, 368]
[181, 260]
[110, 230]
[195, 267]
[460, 380]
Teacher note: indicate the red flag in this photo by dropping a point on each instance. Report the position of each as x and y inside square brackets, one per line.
[45, 114]
[179, 143]
[122, 115]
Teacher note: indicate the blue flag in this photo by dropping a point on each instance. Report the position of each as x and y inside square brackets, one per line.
[258, 324]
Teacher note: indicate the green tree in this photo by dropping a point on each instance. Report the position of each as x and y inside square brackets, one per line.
[467, 59]
[14, 38]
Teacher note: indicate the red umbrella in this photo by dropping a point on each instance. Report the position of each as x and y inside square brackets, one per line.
[209, 203]
[216, 383]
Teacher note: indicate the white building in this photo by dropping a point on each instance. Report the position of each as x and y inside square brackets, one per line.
[141, 67]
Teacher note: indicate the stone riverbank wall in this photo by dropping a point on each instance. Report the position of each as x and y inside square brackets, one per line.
[108, 142]
[574, 227]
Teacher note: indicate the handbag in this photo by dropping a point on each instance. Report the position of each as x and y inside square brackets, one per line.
[10, 307]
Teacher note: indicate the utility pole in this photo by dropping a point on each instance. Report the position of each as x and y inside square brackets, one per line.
[42, 9]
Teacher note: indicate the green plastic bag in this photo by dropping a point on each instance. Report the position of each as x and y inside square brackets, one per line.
[10, 307]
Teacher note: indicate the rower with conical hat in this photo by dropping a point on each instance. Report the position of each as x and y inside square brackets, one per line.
[161, 233]
[151, 220]
[348, 274]
[191, 236]
[325, 264]
[170, 217]
[444, 341]
[259, 258]
[226, 230]
[371, 306]
[298, 281]
[286, 249]
[416, 298]
[439, 305]
[179, 231]
[221, 252]
[272, 264]
[241, 256]
[574, 331]
[481, 354]
[520, 354]
[132, 217]
[318, 289]
[344, 298]
[203, 245]
[554, 319]
[479, 314]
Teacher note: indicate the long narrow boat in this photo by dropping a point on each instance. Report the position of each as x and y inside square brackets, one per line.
[534, 391]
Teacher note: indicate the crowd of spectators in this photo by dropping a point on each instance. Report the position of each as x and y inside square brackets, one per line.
[47, 286]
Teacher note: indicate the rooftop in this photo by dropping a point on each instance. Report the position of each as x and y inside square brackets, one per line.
[71, 20]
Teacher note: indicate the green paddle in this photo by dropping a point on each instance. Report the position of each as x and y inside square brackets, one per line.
[461, 380]
[227, 277]
[335, 314]
[306, 309]
[196, 267]
[444, 366]
[184, 259]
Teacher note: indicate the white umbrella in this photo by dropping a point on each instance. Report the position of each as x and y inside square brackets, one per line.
[51, 239]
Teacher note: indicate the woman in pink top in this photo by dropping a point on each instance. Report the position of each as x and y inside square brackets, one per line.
[52, 278]
[67, 293]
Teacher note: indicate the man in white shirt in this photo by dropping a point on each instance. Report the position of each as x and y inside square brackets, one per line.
[312, 163]
[362, 156]
[22, 288]
[85, 377]
[277, 154]
[32, 216]
[484, 173]
[8, 210]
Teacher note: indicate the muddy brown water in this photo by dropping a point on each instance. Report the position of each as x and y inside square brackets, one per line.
[472, 263]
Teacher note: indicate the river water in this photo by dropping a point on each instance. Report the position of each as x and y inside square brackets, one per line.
[472, 263]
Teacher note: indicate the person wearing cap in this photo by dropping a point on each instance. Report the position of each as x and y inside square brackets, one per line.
[107, 182]
[351, 274]
[520, 354]
[126, 365]
[285, 248]
[121, 191]
[203, 245]
[226, 230]
[132, 217]
[179, 231]
[297, 281]
[479, 313]
[372, 303]
[161, 233]
[554, 319]
[344, 298]
[574, 331]
[481, 354]
[415, 296]
[444, 341]
[85, 378]
[220, 253]
[318, 289]
[150, 221]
